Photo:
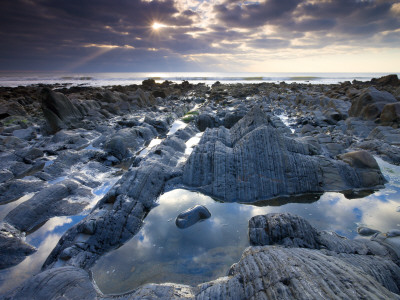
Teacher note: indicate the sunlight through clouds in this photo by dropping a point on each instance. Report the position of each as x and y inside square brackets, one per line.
[270, 35]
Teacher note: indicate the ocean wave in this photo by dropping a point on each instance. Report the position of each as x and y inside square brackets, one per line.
[73, 78]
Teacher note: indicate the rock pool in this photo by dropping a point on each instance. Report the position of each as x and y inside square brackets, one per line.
[161, 252]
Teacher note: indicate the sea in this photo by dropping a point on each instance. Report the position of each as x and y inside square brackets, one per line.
[14, 79]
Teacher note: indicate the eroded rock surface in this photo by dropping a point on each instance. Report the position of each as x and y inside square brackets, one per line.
[61, 283]
[62, 199]
[254, 161]
[118, 216]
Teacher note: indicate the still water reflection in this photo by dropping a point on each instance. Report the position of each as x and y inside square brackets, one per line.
[161, 252]
[44, 239]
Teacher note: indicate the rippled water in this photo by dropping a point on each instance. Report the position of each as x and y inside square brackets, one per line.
[161, 252]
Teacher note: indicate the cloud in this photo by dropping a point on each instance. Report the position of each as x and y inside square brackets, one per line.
[269, 43]
[118, 35]
[254, 14]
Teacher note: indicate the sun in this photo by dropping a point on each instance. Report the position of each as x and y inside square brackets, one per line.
[157, 25]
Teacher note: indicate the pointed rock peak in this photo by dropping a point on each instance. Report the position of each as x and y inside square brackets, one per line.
[252, 120]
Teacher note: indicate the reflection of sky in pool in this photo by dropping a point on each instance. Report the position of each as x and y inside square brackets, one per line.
[161, 252]
[44, 239]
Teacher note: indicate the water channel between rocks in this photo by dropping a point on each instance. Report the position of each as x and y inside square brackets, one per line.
[161, 252]
[46, 237]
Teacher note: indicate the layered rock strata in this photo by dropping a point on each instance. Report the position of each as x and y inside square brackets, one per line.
[255, 161]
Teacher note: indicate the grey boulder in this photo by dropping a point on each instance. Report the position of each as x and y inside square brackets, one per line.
[192, 216]
[59, 111]
[370, 104]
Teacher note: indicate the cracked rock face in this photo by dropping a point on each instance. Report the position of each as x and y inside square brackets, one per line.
[255, 161]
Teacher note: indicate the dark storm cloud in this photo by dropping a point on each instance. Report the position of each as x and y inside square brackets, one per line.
[117, 35]
[47, 30]
[339, 17]
[254, 14]
[355, 17]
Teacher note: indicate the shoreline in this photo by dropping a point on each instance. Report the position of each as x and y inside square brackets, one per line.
[15, 79]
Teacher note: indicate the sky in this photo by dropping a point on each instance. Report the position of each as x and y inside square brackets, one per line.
[200, 35]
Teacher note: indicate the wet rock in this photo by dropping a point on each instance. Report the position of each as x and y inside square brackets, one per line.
[65, 198]
[136, 137]
[370, 104]
[293, 231]
[116, 147]
[365, 231]
[385, 134]
[11, 108]
[392, 243]
[118, 216]
[360, 159]
[366, 167]
[25, 134]
[192, 216]
[5, 175]
[142, 99]
[205, 121]
[231, 118]
[393, 233]
[13, 248]
[12, 142]
[71, 139]
[15, 189]
[59, 111]
[30, 153]
[284, 272]
[390, 114]
[384, 150]
[391, 79]
[255, 161]
[160, 125]
[282, 229]
[60, 283]
[359, 128]
[162, 291]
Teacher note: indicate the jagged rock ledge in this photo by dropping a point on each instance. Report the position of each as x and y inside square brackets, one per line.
[255, 161]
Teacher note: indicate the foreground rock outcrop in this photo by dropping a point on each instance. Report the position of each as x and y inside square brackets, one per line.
[254, 160]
